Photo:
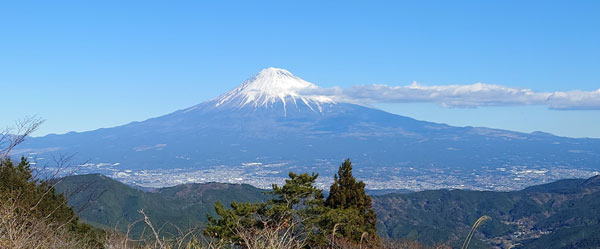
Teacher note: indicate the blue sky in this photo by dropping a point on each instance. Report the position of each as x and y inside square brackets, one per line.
[83, 65]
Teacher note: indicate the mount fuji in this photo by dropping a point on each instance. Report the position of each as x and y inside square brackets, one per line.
[273, 117]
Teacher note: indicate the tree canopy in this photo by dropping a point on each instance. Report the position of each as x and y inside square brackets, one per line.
[299, 209]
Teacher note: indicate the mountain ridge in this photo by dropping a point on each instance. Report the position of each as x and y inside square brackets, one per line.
[552, 215]
[108, 203]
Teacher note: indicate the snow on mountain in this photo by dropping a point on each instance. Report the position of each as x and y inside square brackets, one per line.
[270, 87]
[271, 118]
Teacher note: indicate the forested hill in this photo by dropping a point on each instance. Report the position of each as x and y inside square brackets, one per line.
[555, 215]
[104, 202]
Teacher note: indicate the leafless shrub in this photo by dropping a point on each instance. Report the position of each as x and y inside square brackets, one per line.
[13, 136]
[20, 229]
[279, 236]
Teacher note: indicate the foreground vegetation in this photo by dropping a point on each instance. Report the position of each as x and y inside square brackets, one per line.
[34, 215]
[300, 211]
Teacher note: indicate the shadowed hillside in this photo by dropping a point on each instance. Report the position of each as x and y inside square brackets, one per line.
[554, 215]
[104, 202]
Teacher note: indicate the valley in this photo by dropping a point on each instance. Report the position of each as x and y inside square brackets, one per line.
[416, 179]
[534, 217]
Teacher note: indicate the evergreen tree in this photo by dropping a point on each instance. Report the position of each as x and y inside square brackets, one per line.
[239, 217]
[351, 207]
[297, 197]
[296, 205]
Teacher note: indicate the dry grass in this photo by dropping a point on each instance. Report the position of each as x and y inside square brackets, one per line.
[271, 239]
[477, 223]
[21, 230]
[382, 244]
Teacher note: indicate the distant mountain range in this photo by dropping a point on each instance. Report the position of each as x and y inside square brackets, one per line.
[270, 119]
[562, 214]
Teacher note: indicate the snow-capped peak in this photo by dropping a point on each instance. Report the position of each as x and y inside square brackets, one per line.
[271, 86]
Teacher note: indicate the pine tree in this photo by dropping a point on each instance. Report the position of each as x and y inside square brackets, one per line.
[350, 205]
[296, 205]
[297, 199]
[239, 217]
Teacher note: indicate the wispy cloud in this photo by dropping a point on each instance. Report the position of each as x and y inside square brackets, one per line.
[465, 96]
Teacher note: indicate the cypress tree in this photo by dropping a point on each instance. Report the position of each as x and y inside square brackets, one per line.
[348, 195]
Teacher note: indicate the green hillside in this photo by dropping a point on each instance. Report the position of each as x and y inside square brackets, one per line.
[104, 202]
[562, 214]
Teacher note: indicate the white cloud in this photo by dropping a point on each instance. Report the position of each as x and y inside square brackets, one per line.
[464, 96]
[575, 100]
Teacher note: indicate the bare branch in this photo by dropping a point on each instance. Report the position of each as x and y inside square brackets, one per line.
[13, 136]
